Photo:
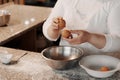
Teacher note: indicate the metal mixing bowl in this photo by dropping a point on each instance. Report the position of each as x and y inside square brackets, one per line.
[4, 17]
[62, 57]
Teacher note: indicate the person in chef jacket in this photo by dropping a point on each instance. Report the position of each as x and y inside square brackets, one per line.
[94, 24]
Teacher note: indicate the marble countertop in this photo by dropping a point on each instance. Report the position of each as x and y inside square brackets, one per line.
[33, 67]
[23, 18]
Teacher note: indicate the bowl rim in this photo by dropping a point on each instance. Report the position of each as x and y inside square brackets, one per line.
[80, 49]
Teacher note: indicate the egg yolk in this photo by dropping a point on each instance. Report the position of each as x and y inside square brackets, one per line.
[104, 68]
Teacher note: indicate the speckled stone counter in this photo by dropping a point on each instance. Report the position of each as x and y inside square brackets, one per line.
[33, 67]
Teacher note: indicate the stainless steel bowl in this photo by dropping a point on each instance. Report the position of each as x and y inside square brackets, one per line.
[62, 57]
[4, 17]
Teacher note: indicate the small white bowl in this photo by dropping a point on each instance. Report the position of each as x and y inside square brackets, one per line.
[5, 57]
[93, 63]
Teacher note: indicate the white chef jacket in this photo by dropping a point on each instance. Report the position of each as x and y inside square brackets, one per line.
[96, 16]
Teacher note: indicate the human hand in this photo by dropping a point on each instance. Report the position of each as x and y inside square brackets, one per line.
[66, 34]
[58, 23]
[56, 26]
[82, 37]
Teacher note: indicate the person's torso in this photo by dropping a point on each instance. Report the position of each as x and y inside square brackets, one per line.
[90, 15]
[79, 13]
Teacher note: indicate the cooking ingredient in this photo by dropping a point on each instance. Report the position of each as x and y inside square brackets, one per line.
[61, 23]
[104, 68]
[66, 34]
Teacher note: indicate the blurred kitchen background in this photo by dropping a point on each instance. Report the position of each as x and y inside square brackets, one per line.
[47, 3]
[41, 41]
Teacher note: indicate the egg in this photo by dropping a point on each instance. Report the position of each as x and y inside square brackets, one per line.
[66, 34]
[61, 23]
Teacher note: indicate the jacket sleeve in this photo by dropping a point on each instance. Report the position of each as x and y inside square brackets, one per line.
[57, 11]
[113, 38]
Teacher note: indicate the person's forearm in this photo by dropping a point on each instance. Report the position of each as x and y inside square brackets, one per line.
[97, 40]
[54, 34]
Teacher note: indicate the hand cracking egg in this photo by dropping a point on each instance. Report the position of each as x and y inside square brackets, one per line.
[61, 23]
[66, 34]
